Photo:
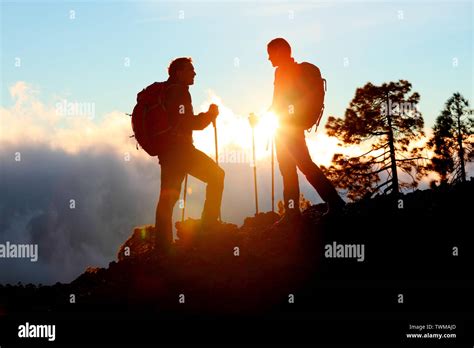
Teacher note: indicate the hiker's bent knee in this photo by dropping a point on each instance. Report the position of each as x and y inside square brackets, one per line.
[219, 176]
[287, 169]
[169, 197]
[308, 166]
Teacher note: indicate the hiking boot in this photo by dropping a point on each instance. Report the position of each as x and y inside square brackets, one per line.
[162, 244]
[216, 231]
[211, 227]
[292, 216]
[334, 210]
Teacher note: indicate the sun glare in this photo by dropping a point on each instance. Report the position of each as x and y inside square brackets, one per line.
[235, 136]
[267, 125]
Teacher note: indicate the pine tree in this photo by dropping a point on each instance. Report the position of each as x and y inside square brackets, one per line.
[385, 118]
[452, 140]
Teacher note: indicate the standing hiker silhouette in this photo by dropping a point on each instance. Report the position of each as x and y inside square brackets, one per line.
[179, 156]
[292, 152]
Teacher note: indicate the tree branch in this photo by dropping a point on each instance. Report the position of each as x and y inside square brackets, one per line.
[378, 148]
[382, 185]
[381, 155]
[411, 159]
[381, 169]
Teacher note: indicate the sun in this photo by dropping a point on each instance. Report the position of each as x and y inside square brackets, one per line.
[265, 130]
[267, 125]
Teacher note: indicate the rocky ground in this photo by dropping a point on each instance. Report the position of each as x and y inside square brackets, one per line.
[256, 268]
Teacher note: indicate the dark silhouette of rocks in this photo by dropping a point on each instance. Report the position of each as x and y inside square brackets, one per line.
[254, 268]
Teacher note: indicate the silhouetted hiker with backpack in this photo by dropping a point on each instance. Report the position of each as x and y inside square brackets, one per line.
[298, 101]
[164, 117]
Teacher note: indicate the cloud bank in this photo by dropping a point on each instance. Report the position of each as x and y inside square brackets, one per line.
[76, 186]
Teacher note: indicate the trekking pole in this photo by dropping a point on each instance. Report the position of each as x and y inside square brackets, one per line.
[253, 121]
[215, 140]
[217, 153]
[184, 196]
[273, 175]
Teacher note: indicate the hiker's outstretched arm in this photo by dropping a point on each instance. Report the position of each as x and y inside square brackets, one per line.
[200, 121]
[180, 110]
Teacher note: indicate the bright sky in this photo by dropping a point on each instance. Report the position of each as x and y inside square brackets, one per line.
[83, 58]
[102, 54]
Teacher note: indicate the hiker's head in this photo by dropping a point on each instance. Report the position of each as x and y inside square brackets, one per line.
[279, 51]
[181, 70]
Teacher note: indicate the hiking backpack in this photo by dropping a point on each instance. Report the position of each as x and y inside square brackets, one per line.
[313, 91]
[149, 119]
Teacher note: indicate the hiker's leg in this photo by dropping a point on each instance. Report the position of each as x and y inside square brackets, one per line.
[171, 179]
[313, 173]
[205, 169]
[287, 165]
